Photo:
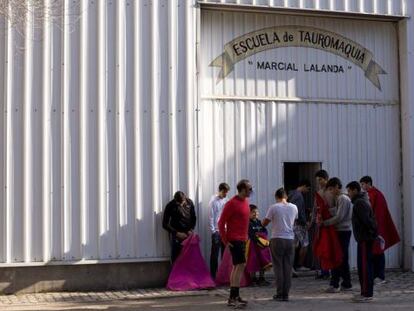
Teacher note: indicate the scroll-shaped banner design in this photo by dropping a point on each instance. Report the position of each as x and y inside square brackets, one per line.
[297, 36]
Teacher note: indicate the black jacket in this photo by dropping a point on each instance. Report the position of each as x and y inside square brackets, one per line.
[179, 218]
[363, 219]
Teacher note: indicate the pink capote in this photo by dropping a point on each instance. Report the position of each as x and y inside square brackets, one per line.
[190, 272]
[224, 271]
[258, 258]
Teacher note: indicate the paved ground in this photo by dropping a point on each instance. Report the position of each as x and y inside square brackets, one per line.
[307, 294]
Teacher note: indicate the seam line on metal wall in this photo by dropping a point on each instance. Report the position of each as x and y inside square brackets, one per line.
[302, 100]
[248, 8]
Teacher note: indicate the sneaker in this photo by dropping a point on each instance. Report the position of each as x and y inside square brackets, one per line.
[278, 297]
[302, 269]
[294, 273]
[241, 301]
[285, 298]
[232, 302]
[361, 299]
[263, 282]
[332, 290]
[346, 289]
[379, 281]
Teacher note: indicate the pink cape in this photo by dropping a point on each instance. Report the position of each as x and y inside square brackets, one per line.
[190, 271]
[258, 258]
[224, 271]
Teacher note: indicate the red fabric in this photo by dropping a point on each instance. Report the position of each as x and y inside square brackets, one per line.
[224, 271]
[234, 220]
[386, 227]
[190, 271]
[326, 245]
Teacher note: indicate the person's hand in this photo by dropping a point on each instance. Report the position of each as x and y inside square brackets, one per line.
[190, 232]
[181, 236]
[229, 244]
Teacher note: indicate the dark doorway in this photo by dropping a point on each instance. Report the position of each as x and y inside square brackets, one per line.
[293, 173]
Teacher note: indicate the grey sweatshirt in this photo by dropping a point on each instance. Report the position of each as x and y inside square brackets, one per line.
[342, 216]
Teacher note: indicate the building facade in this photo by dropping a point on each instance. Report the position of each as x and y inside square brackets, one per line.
[111, 106]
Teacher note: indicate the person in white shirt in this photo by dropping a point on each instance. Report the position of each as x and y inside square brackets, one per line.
[215, 208]
[282, 215]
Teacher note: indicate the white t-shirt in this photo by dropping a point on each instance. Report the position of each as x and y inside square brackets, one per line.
[282, 217]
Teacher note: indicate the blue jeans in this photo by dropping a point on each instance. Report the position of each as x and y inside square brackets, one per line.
[343, 270]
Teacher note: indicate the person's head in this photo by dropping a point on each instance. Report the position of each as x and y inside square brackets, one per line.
[334, 186]
[281, 195]
[223, 189]
[244, 188]
[322, 178]
[254, 211]
[366, 182]
[354, 188]
[304, 186]
[180, 197]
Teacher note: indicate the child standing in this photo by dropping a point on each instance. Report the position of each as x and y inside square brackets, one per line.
[259, 258]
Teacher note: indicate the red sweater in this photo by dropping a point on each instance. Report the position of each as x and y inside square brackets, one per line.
[234, 220]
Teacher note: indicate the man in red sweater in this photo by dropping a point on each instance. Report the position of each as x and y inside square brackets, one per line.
[233, 227]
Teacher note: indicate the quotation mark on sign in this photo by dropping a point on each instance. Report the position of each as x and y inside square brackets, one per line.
[250, 62]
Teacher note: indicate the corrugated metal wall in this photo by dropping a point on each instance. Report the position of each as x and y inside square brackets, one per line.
[96, 133]
[379, 7]
[248, 138]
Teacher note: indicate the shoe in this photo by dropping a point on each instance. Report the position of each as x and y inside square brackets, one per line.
[278, 297]
[263, 282]
[346, 289]
[379, 281]
[294, 273]
[361, 299]
[241, 301]
[285, 298]
[232, 302]
[302, 269]
[332, 290]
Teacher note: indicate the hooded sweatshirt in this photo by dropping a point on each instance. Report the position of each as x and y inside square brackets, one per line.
[363, 219]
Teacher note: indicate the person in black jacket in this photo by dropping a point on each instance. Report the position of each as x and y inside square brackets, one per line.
[365, 233]
[179, 220]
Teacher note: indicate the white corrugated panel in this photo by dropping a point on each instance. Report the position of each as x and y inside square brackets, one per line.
[266, 118]
[97, 130]
[373, 7]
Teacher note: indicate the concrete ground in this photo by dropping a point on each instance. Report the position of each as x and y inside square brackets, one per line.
[307, 294]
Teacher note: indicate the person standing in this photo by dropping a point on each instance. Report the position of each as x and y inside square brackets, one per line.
[365, 233]
[179, 220]
[282, 215]
[233, 228]
[300, 229]
[323, 200]
[216, 206]
[386, 227]
[342, 220]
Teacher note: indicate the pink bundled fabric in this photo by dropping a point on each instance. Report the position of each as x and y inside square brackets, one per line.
[258, 258]
[224, 271]
[190, 271]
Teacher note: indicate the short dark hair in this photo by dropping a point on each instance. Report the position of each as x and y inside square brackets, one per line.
[322, 174]
[224, 186]
[354, 185]
[242, 184]
[304, 182]
[366, 179]
[280, 193]
[179, 196]
[253, 207]
[333, 182]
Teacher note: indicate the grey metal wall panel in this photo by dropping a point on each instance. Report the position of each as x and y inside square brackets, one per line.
[375, 7]
[97, 130]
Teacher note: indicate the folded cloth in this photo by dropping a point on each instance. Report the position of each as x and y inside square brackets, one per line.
[190, 271]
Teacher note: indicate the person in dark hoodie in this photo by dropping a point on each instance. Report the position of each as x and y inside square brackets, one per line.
[179, 220]
[365, 233]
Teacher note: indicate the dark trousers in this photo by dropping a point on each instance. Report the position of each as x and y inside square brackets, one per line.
[175, 248]
[217, 247]
[366, 268]
[379, 266]
[282, 256]
[343, 270]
